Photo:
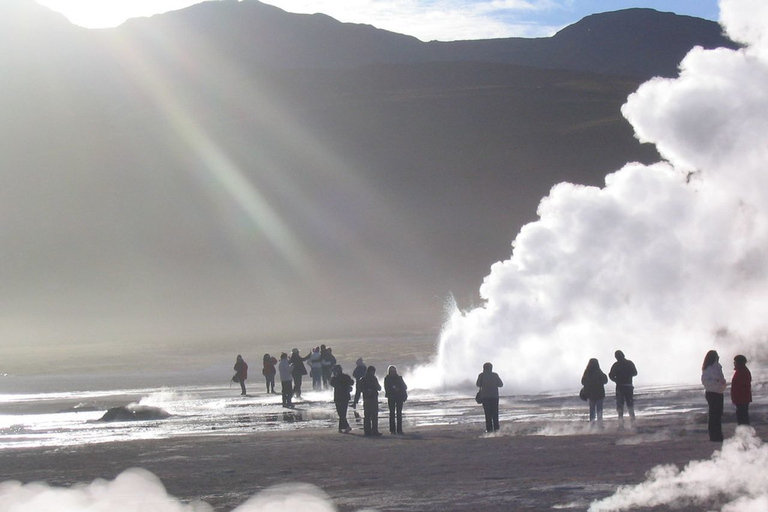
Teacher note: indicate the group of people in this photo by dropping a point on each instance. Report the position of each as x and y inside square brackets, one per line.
[593, 391]
[714, 390]
[325, 372]
[291, 370]
[367, 385]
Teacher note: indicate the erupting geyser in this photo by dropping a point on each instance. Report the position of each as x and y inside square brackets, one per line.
[664, 262]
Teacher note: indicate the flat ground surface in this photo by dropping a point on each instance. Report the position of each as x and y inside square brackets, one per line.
[428, 469]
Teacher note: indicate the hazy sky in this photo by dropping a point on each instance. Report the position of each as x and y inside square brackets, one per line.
[435, 19]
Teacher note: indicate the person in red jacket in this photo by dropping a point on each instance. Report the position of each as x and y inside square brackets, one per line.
[741, 389]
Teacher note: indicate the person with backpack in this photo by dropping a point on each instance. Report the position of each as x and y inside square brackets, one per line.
[342, 389]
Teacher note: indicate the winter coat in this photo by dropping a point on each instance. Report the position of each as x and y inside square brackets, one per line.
[285, 369]
[359, 371]
[622, 372]
[741, 386]
[241, 368]
[342, 387]
[713, 379]
[370, 387]
[297, 363]
[594, 384]
[395, 388]
[489, 384]
[269, 367]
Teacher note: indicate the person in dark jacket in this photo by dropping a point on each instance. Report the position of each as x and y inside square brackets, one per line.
[489, 383]
[741, 389]
[298, 370]
[241, 373]
[269, 372]
[342, 388]
[594, 381]
[622, 372]
[370, 387]
[395, 391]
[329, 361]
[358, 373]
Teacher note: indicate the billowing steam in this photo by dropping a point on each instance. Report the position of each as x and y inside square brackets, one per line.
[665, 262]
[137, 490]
[735, 477]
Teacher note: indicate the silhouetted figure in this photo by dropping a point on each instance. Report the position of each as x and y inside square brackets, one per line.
[298, 369]
[342, 389]
[741, 389]
[269, 372]
[241, 373]
[714, 386]
[285, 371]
[316, 369]
[358, 373]
[395, 390]
[329, 361]
[594, 381]
[489, 383]
[621, 373]
[370, 387]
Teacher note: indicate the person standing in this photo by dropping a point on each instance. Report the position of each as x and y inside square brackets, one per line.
[594, 381]
[316, 369]
[741, 389]
[370, 388]
[269, 372]
[342, 388]
[298, 370]
[358, 373]
[714, 386]
[241, 373]
[329, 361]
[396, 392]
[622, 372]
[489, 383]
[285, 370]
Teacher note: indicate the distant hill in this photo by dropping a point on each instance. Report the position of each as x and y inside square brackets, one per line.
[634, 42]
[234, 169]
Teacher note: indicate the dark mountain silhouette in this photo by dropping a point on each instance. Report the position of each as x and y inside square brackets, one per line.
[633, 42]
[231, 169]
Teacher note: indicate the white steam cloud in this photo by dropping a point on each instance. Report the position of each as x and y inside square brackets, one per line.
[734, 477]
[665, 262]
[138, 490]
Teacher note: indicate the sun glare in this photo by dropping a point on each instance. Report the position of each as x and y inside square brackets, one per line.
[111, 13]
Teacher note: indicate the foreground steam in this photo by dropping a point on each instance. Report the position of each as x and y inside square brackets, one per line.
[664, 262]
[735, 475]
[139, 490]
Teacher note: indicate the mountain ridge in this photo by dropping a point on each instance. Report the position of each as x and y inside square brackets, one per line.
[163, 178]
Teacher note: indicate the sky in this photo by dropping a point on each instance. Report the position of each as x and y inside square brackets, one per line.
[443, 20]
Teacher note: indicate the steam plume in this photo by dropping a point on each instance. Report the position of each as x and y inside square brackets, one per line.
[664, 262]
